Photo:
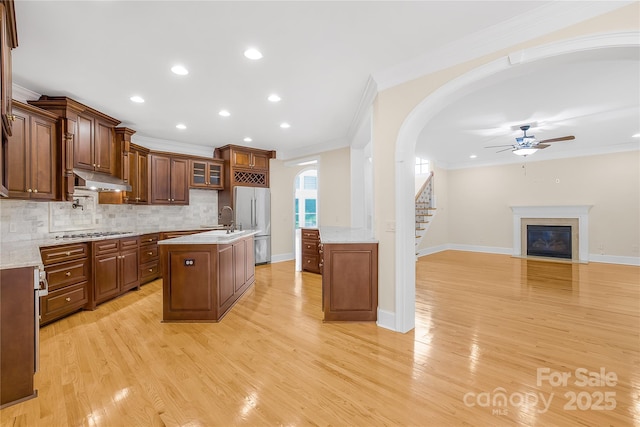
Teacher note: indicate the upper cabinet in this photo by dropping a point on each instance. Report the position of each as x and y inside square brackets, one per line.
[32, 151]
[169, 179]
[245, 166]
[87, 139]
[138, 158]
[206, 174]
[8, 41]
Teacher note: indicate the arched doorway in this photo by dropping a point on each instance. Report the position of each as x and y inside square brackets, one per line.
[420, 117]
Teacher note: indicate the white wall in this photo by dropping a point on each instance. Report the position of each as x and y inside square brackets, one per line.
[475, 203]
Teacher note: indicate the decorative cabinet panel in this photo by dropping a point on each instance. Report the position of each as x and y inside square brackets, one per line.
[149, 260]
[18, 339]
[94, 144]
[67, 269]
[206, 174]
[349, 281]
[310, 243]
[31, 154]
[116, 268]
[169, 180]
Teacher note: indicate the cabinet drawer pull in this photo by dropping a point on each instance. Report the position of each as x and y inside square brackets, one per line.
[35, 191]
[308, 261]
[151, 270]
[149, 253]
[150, 240]
[67, 299]
[68, 273]
[29, 190]
[67, 253]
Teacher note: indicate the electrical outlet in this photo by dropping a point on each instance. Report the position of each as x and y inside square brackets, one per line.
[189, 262]
[391, 226]
[12, 227]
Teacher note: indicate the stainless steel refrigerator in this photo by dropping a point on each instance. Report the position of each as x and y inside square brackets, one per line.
[253, 211]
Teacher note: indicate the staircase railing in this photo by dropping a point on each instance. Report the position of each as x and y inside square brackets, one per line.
[424, 208]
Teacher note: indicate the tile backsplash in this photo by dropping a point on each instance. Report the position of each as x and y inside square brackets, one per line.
[27, 220]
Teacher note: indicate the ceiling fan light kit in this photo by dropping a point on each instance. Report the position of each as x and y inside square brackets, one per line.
[527, 144]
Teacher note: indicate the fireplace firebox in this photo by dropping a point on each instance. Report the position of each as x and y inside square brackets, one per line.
[549, 241]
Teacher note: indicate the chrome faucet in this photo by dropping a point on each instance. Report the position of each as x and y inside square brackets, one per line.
[227, 220]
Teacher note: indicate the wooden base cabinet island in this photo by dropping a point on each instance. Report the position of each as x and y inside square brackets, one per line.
[205, 274]
[349, 267]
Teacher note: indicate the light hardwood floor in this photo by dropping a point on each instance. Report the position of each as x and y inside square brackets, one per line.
[485, 325]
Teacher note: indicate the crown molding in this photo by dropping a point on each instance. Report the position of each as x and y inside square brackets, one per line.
[166, 145]
[23, 94]
[547, 18]
[362, 116]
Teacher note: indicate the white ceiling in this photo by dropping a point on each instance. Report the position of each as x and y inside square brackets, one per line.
[322, 58]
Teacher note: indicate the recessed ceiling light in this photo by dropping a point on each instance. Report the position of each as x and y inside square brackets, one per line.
[247, 139]
[180, 70]
[285, 125]
[224, 113]
[253, 53]
[137, 99]
[274, 98]
[181, 126]
[637, 135]
[473, 156]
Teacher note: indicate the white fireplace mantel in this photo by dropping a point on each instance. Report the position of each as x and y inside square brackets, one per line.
[581, 212]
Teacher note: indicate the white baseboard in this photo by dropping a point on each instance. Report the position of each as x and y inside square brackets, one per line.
[386, 319]
[615, 259]
[608, 259]
[282, 257]
[468, 248]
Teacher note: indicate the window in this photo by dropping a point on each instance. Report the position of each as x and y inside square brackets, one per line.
[422, 166]
[306, 199]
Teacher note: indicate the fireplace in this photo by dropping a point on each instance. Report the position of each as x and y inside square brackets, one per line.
[552, 241]
[574, 219]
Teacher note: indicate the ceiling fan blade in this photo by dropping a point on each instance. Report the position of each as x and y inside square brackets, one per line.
[541, 146]
[562, 138]
[498, 146]
[506, 149]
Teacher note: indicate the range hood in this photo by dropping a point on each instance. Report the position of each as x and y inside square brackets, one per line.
[96, 181]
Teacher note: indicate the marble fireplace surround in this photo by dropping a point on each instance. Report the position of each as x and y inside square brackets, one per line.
[576, 215]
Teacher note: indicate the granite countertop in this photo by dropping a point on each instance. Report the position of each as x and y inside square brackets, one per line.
[346, 235]
[26, 253]
[214, 237]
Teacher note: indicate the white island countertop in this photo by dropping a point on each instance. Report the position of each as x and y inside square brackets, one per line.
[214, 237]
[346, 235]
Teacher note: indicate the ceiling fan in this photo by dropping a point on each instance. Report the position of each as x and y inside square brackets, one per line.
[527, 144]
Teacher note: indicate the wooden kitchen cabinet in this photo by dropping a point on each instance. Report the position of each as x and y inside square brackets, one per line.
[67, 269]
[87, 139]
[116, 268]
[8, 41]
[201, 282]
[138, 169]
[245, 166]
[310, 242]
[149, 260]
[32, 152]
[18, 337]
[206, 174]
[349, 281]
[169, 179]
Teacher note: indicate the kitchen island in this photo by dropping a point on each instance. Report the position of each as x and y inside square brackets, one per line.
[205, 274]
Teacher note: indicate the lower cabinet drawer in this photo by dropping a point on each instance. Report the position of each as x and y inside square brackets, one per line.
[310, 246]
[148, 253]
[311, 263]
[149, 271]
[63, 301]
[67, 273]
